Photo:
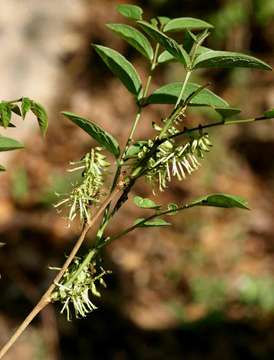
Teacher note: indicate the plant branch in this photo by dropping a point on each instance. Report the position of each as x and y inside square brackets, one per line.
[138, 115]
[151, 217]
[188, 74]
[177, 109]
[46, 297]
[187, 131]
[123, 197]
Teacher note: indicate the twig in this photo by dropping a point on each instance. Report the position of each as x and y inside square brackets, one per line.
[46, 298]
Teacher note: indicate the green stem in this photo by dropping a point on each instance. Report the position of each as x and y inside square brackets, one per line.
[176, 110]
[129, 141]
[86, 261]
[160, 141]
[151, 217]
[206, 126]
[130, 138]
[188, 73]
[138, 115]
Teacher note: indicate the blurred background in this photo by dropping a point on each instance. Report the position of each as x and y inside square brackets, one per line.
[201, 289]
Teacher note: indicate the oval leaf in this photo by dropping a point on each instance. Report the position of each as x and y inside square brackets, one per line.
[2, 168]
[186, 23]
[144, 203]
[227, 59]
[134, 37]
[221, 200]
[173, 208]
[167, 43]
[5, 113]
[134, 149]
[7, 144]
[25, 106]
[168, 94]
[132, 12]
[165, 56]
[227, 112]
[41, 116]
[150, 223]
[163, 20]
[96, 132]
[120, 67]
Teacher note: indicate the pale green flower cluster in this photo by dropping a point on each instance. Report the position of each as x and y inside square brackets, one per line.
[175, 161]
[79, 282]
[88, 192]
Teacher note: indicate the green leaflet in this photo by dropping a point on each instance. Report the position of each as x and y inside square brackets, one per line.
[172, 207]
[132, 12]
[5, 113]
[144, 203]
[221, 200]
[7, 144]
[134, 37]
[165, 56]
[96, 132]
[2, 168]
[163, 20]
[190, 39]
[120, 67]
[227, 59]
[269, 114]
[6, 109]
[168, 43]
[25, 106]
[151, 223]
[134, 149]
[227, 112]
[41, 116]
[186, 23]
[168, 94]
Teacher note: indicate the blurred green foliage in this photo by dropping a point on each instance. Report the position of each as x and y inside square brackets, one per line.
[19, 184]
[257, 291]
